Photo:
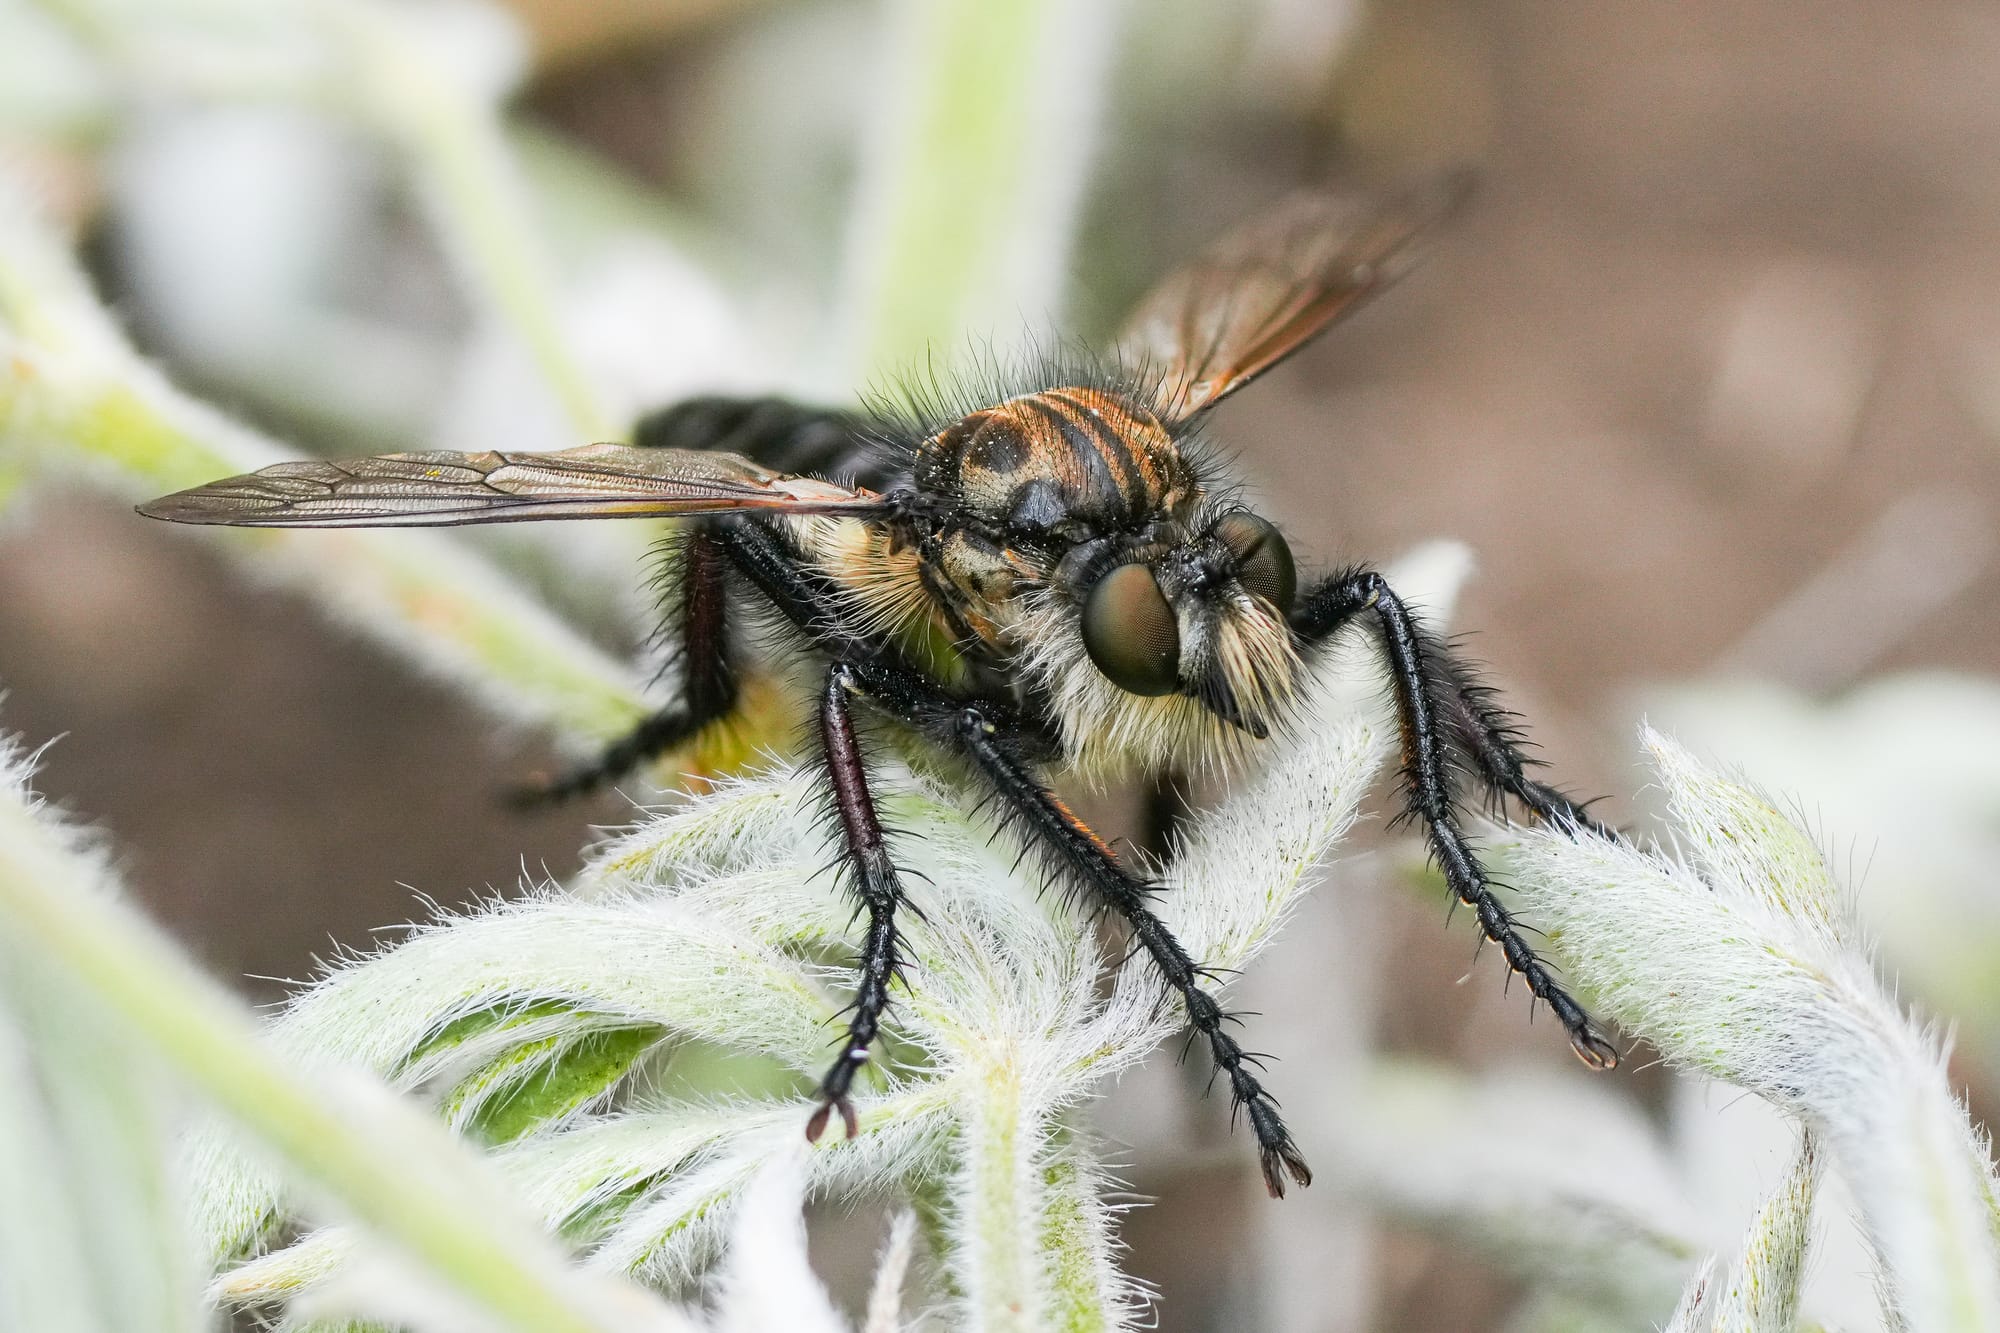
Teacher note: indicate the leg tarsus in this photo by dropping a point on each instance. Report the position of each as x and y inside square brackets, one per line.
[1277, 1155]
[829, 1103]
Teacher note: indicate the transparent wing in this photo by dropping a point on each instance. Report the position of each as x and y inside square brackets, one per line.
[1262, 291]
[436, 489]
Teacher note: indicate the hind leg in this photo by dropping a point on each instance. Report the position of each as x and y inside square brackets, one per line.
[698, 613]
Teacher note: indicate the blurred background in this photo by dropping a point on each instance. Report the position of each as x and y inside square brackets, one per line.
[1707, 376]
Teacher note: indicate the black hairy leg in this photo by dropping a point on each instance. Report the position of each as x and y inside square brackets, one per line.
[782, 435]
[1490, 737]
[1434, 701]
[873, 876]
[995, 743]
[989, 738]
[1084, 855]
[698, 612]
[1469, 713]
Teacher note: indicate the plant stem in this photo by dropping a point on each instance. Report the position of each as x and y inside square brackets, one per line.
[999, 1202]
[76, 400]
[1085, 1288]
[973, 176]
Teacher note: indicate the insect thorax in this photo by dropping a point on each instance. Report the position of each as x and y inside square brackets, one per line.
[1027, 478]
[1064, 463]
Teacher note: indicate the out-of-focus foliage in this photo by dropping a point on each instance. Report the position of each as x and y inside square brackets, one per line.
[1743, 962]
[1899, 780]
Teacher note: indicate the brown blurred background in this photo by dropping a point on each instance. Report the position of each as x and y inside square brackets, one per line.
[1708, 375]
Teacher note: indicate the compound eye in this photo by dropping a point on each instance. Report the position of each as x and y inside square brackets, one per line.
[1130, 632]
[1263, 561]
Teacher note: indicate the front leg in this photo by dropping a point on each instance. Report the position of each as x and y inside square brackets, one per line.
[1466, 709]
[866, 858]
[1086, 857]
[1431, 697]
[993, 743]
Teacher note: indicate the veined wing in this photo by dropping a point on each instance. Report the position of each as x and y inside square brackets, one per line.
[1264, 290]
[440, 489]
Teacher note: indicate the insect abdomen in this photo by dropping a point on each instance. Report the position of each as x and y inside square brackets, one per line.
[788, 437]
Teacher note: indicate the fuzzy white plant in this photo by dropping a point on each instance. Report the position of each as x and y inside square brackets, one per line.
[1739, 958]
[1904, 770]
[713, 927]
[1764, 1290]
[102, 1020]
[106, 1037]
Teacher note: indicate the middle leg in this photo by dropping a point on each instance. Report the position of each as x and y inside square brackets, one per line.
[1087, 858]
[866, 856]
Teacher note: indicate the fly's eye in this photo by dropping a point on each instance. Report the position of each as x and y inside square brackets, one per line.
[1130, 632]
[1263, 561]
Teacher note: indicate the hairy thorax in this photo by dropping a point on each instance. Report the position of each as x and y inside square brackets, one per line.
[1020, 484]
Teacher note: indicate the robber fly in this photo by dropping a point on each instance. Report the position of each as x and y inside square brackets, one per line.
[1052, 581]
